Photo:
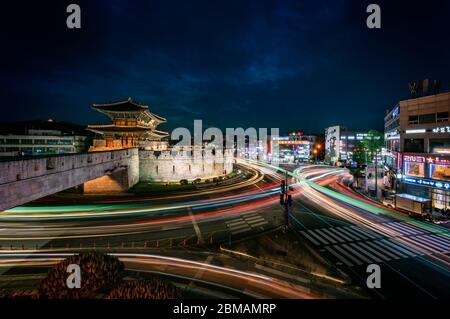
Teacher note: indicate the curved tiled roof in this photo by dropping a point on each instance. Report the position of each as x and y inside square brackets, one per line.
[121, 106]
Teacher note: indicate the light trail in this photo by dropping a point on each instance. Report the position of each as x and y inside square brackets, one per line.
[245, 282]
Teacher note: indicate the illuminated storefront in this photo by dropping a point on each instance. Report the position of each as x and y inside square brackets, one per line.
[293, 148]
[432, 174]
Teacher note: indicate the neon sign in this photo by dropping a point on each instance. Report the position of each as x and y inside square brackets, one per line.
[426, 182]
[423, 159]
[396, 112]
[292, 142]
[444, 129]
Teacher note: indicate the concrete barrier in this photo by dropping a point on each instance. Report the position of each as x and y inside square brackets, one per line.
[22, 181]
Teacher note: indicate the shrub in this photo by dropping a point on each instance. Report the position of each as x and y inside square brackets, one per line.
[184, 182]
[98, 272]
[145, 289]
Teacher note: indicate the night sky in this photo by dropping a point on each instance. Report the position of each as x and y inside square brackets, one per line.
[290, 64]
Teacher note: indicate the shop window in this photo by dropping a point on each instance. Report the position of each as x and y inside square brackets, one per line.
[440, 172]
[414, 169]
[440, 146]
[440, 199]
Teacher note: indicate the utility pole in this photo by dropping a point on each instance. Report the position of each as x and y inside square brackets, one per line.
[376, 173]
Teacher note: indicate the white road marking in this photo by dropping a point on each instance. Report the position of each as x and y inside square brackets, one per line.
[194, 223]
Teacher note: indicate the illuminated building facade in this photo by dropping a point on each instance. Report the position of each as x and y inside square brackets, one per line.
[132, 123]
[417, 137]
[340, 143]
[294, 147]
[34, 138]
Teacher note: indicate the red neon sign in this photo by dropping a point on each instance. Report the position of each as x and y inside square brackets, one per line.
[429, 159]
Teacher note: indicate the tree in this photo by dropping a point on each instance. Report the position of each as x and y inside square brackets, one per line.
[359, 154]
[373, 143]
[365, 151]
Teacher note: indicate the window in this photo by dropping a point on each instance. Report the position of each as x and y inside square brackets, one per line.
[38, 142]
[26, 141]
[440, 172]
[442, 117]
[441, 199]
[440, 146]
[414, 169]
[414, 145]
[427, 118]
[52, 142]
[413, 119]
[12, 141]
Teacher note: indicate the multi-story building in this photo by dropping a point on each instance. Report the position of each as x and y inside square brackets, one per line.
[294, 147]
[417, 135]
[39, 139]
[340, 143]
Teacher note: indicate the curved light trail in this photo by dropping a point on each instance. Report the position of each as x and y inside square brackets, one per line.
[244, 282]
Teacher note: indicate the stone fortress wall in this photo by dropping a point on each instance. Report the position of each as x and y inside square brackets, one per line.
[173, 166]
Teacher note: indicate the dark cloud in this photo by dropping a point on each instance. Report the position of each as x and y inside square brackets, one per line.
[288, 64]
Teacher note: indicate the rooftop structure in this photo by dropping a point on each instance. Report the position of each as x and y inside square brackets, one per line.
[131, 122]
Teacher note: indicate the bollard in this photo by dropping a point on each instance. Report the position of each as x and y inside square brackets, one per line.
[122, 245]
[157, 243]
[145, 244]
[81, 245]
[210, 240]
[184, 243]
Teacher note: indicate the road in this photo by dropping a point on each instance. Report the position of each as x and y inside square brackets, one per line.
[198, 274]
[206, 215]
[339, 224]
[354, 232]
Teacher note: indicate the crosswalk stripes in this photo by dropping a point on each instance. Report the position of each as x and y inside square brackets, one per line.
[359, 253]
[245, 223]
[366, 253]
[355, 246]
[335, 235]
[338, 256]
[398, 248]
